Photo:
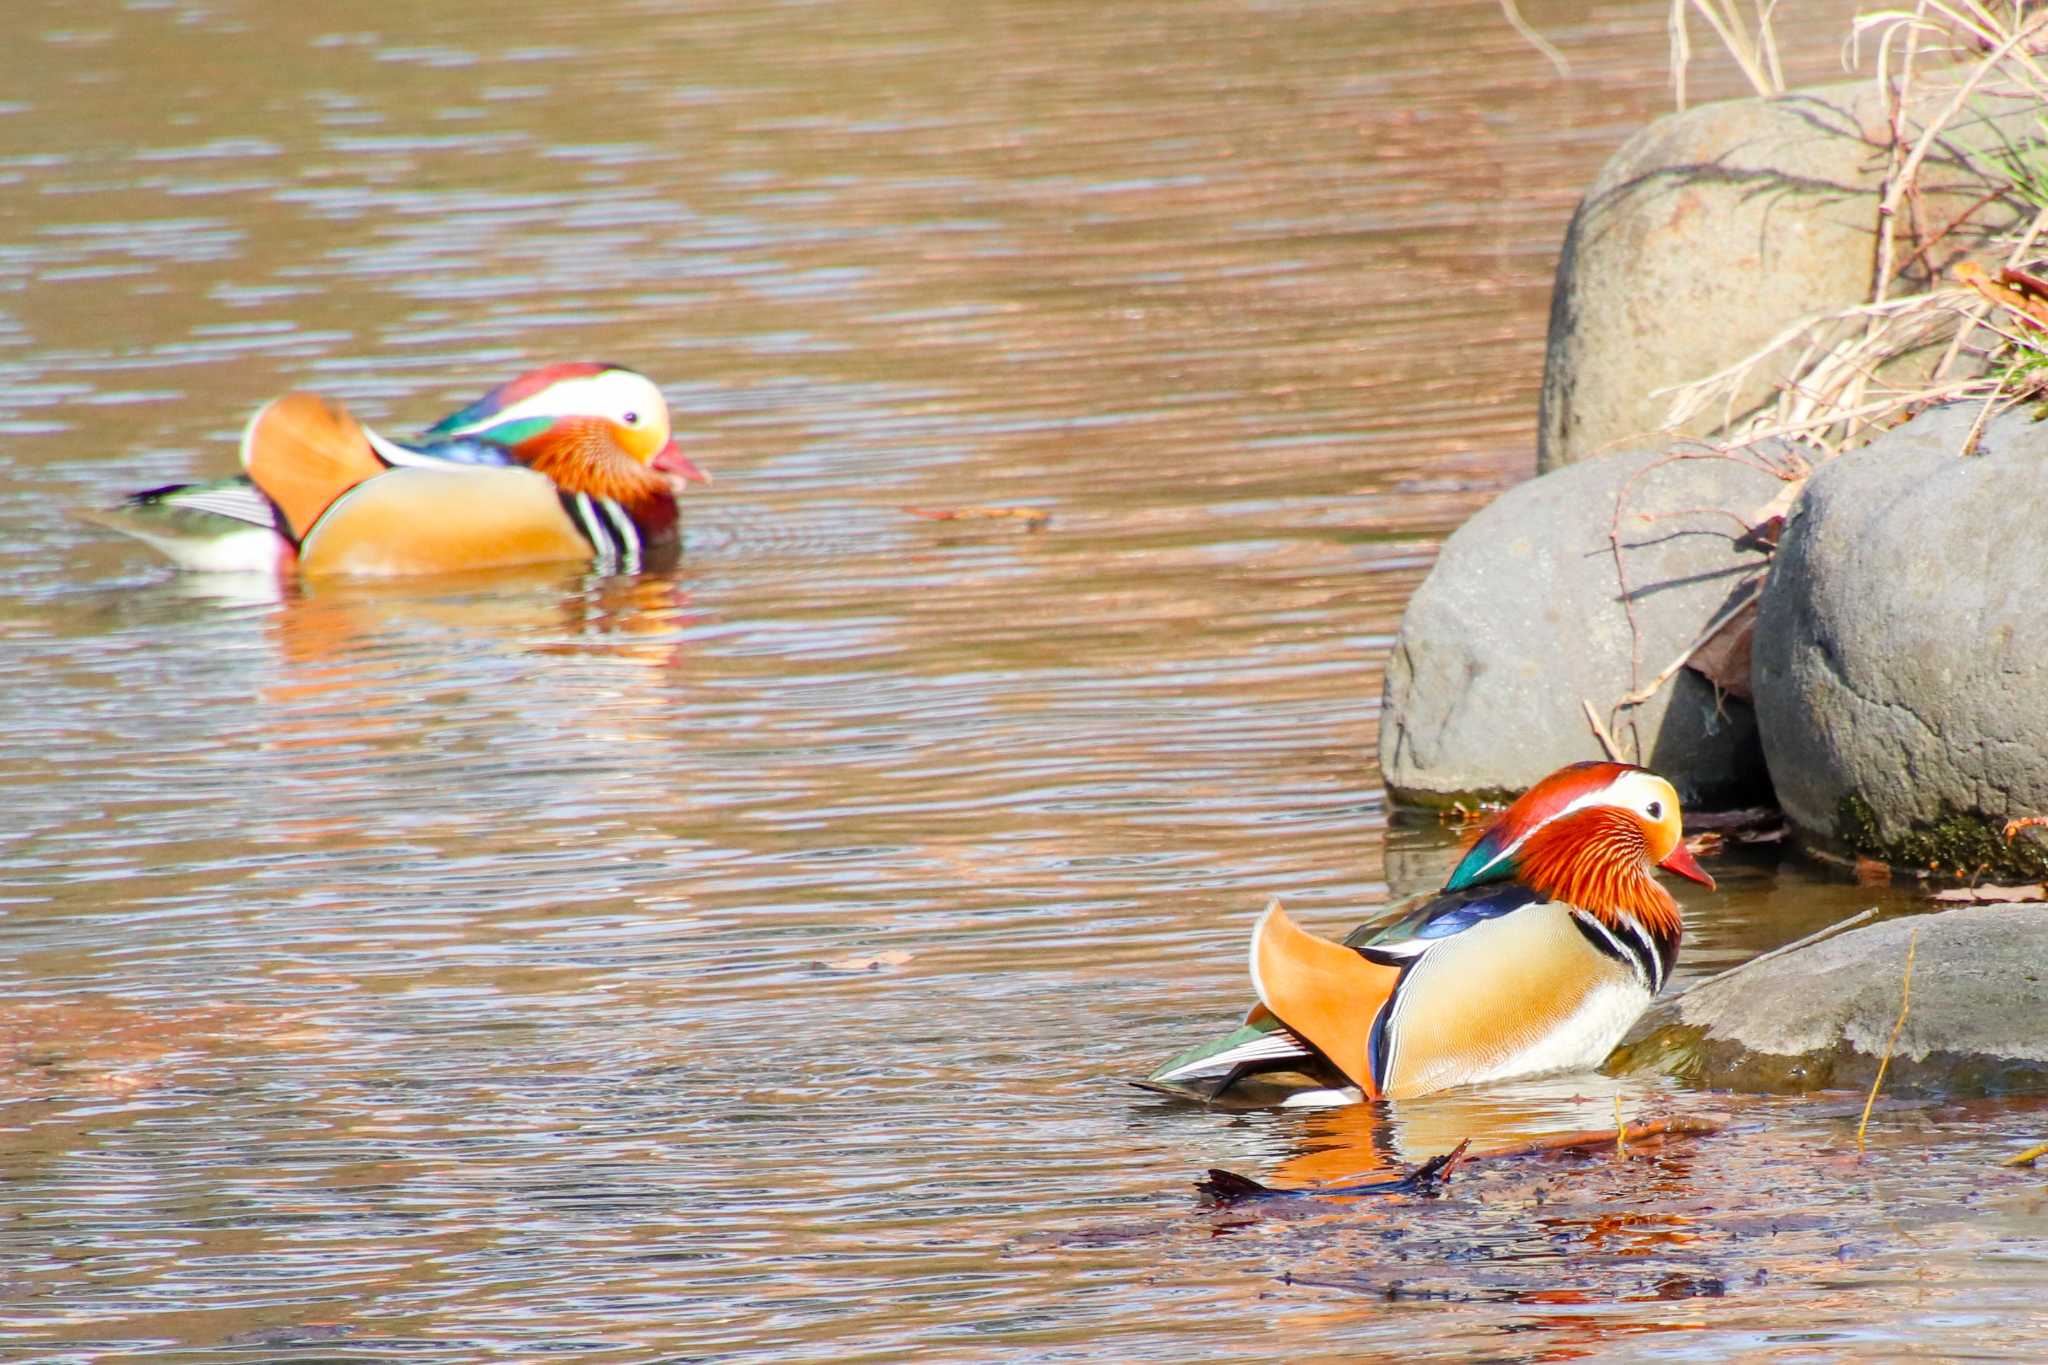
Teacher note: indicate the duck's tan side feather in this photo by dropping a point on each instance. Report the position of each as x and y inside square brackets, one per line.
[1496, 991]
[417, 520]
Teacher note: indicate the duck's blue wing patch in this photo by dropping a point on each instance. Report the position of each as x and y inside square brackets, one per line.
[1413, 928]
[460, 450]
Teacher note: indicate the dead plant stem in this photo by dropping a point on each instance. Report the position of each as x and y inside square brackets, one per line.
[1712, 628]
[1887, 221]
[1536, 40]
[1905, 1003]
[1930, 135]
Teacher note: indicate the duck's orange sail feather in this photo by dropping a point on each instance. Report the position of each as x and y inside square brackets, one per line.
[1327, 993]
[304, 452]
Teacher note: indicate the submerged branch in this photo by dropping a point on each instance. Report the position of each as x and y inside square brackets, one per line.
[1225, 1188]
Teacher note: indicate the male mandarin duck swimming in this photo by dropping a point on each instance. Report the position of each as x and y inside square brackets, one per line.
[567, 462]
[1545, 945]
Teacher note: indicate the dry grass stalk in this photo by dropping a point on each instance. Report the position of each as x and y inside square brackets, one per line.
[1832, 398]
[1756, 53]
[1833, 395]
[1535, 39]
[2028, 1157]
[1635, 1134]
[2006, 47]
[1905, 1003]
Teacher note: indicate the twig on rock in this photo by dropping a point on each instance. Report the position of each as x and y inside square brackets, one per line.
[1814, 937]
[1714, 627]
[1607, 744]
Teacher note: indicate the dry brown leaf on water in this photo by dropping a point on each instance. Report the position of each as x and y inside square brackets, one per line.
[1871, 872]
[888, 957]
[1990, 894]
[1706, 844]
[1035, 517]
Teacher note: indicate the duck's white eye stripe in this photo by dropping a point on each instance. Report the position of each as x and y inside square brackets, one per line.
[631, 396]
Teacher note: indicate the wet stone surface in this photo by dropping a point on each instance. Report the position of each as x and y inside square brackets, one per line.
[1823, 1016]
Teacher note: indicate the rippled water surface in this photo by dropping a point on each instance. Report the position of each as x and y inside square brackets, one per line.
[741, 961]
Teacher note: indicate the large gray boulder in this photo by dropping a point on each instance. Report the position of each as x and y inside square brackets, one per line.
[1820, 1017]
[1521, 622]
[1710, 232]
[1901, 654]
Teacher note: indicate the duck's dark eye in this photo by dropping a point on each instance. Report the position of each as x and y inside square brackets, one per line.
[632, 419]
[1655, 810]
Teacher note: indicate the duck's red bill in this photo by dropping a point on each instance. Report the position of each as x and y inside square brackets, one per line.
[671, 460]
[1682, 863]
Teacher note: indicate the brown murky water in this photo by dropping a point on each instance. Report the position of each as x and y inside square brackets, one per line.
[474, 969]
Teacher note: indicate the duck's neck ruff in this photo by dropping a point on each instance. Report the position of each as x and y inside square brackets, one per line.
[580, 455]
[1598, 860]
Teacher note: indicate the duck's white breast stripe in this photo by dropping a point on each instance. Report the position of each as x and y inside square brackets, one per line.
[624, 532]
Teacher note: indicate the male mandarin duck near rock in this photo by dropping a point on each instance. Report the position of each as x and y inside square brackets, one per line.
[567, 462]
[1545, 945]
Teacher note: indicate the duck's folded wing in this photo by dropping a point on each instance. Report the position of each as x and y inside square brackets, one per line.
[1225, 1069]
[461, 450]
[226, 526]
[1419, 924]
[420, 520]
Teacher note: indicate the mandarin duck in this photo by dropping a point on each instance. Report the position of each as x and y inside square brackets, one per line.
[567, 462]
[1546, 944]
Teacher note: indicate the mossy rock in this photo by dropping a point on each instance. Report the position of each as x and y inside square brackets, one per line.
[1901, 654]
[1956, 844]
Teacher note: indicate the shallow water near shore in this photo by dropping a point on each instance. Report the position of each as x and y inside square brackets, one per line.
[741, 962]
